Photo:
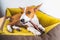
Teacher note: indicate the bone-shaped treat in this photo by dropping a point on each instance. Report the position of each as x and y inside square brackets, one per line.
[35, 26]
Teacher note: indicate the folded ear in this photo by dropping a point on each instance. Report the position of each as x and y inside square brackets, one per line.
[37, 7]
[22, 9]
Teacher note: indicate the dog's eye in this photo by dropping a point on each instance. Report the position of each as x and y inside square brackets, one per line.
[28, 12]
[21, 12]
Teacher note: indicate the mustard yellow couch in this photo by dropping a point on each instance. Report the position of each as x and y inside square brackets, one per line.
[46, 21]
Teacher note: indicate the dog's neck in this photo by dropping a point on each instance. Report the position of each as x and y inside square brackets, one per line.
[33, 17]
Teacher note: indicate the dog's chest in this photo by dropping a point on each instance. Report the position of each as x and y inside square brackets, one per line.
[35, 20]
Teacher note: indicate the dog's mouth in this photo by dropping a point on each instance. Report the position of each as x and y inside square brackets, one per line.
[24, 22]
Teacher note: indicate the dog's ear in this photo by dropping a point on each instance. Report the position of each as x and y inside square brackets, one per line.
[22, 9]
[37, 7]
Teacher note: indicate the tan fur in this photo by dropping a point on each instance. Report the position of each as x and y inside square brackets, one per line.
[31, 15]
[32, 9]
[15, 18]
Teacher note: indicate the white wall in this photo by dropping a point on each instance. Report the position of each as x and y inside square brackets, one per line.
[50, 7]
[17, 3]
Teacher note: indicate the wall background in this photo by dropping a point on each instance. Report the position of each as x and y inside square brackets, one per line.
[50, 7]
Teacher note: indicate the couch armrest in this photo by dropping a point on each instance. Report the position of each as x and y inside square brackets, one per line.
[47, 29]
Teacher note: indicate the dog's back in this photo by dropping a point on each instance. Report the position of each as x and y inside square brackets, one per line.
[15, 18]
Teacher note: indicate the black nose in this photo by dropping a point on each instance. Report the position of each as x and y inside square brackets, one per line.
[22, 20]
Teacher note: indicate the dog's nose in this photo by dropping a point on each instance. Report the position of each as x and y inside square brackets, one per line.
[22, 20]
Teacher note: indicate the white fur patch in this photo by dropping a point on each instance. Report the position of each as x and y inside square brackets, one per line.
[9, 28]
[34, 31]
[15, 27]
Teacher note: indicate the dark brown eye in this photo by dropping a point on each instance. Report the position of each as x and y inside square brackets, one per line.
[28, 12]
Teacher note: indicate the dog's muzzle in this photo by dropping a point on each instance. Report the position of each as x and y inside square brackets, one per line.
[23, 21]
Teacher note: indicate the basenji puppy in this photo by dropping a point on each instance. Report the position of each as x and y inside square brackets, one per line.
[30, 19]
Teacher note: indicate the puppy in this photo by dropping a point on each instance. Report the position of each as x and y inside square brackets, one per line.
[28, 18]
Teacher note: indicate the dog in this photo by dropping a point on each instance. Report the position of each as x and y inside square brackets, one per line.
[30, 19]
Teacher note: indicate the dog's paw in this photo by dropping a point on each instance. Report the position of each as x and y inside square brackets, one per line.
[43, 29]
[42, 32]
[37, 33]
[34, 31]
[9, 28]
[16, 27]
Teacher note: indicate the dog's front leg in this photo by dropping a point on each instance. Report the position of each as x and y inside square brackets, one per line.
[9, 28]
[16, 27]
[33, 30]
[41, 28]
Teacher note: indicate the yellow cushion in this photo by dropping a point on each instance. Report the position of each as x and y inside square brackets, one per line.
[47, 21]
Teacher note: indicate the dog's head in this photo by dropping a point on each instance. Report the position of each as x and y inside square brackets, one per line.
[29, 13]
